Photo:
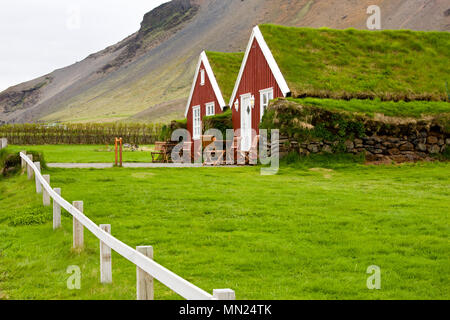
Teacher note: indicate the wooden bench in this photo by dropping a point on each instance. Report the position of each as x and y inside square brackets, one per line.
[159, 154]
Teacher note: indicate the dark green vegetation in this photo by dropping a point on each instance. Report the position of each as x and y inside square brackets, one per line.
[82, 133]
[415, 109]
[226, 68]
[305, 123]
[221, 122]
[83, 153]
[309, 119]
[168, 130]
[10, 161]
[309, 232]
[345, 64]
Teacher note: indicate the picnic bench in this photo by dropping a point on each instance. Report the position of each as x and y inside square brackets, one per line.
[162, 152]
[216, 151]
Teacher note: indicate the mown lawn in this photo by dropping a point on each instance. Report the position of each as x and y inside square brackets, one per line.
[85, 153]
[414, 109]
[309, 232]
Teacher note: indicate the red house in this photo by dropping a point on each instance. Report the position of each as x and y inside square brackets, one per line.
[259, 81]
[214, 79]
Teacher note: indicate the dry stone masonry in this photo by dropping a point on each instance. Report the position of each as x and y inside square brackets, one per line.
[381, 139]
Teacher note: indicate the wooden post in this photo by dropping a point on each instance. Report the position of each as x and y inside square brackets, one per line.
[115, 150]
[22, 161]
[56, 211]
[45, 194]
[121, 151]
[144, 281]
[30, 171]
[224, 294]
[105, 258]
[3, 143]
[78, 229]
[38, 183]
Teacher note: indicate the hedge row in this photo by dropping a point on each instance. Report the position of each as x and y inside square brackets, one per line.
[88, 133]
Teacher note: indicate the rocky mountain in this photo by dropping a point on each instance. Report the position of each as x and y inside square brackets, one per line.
[147, 76]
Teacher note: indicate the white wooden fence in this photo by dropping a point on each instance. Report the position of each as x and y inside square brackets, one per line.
[147, 269]
[3, 143]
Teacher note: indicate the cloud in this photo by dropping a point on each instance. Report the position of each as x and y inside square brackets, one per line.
[41, 36]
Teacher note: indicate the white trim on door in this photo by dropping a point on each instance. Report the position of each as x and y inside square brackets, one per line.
[246, 122]
[196, 123]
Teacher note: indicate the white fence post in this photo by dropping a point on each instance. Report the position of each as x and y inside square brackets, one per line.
[38, 183]
[144, 281]
[45, 194]
[224, 294]
[78, 230]
[30, 171]
[56, 211]
[3, 143]
[23, 163]
[105, 258]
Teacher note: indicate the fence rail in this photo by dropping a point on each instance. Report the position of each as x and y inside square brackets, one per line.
[177, 284]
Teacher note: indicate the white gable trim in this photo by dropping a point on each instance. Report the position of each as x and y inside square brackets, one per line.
[256, 34]
[203, 58]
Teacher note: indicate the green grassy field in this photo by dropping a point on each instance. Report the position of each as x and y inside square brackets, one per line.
[84, 153]
[390, 64]
[309, 232]
[226, 68]
[415, 109]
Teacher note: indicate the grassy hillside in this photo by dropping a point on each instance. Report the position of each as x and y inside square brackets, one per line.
[308, 233]
[415, 109]
[392, 65]
[226, 68]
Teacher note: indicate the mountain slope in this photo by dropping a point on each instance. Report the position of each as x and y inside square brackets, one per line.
[147, 75]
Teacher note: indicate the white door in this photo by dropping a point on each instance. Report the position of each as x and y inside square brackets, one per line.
[246, 123]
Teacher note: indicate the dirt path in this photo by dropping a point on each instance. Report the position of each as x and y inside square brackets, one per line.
[127, 165]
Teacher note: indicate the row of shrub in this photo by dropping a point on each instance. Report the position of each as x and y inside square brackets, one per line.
[86, 133]
[10, 162]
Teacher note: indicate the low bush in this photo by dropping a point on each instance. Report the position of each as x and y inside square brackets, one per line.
[305, 123]
[10, 162]
[30, 216]
[221, 122]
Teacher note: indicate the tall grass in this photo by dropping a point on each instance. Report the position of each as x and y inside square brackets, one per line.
[86, 133]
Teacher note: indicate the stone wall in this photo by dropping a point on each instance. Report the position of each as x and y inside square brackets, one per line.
[311, 130]
[415, 147]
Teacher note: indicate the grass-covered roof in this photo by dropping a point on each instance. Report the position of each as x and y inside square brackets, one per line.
[226, 68]
[392, 65]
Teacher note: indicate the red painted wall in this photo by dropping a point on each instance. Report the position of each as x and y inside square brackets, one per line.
[201, 96]
[257, 76]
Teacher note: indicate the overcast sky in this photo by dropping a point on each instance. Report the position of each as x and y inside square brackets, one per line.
[39, 36]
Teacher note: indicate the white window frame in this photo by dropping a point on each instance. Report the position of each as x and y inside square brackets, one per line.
[196, 123]
[202, 77]
[264, 93]
[210, 109]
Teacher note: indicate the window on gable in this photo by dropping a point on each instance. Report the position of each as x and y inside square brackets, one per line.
[202, 77]
[210, 109]
[197, 123]
[265, 96]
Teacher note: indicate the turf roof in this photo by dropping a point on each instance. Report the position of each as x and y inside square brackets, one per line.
[392, 65]
[226, 68]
